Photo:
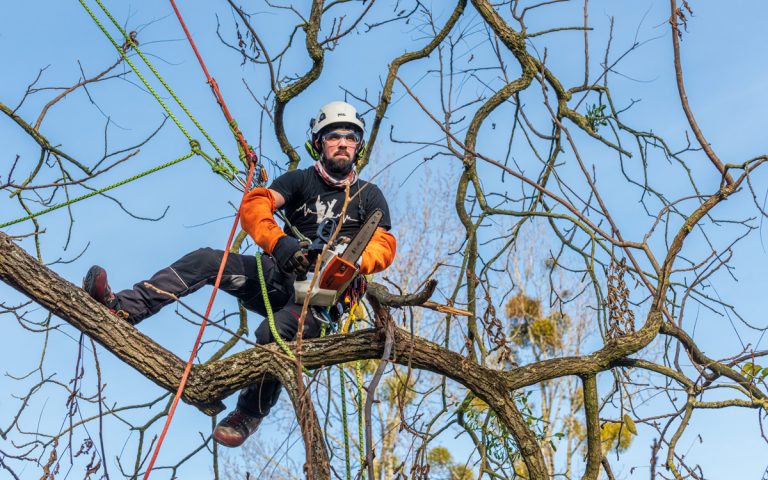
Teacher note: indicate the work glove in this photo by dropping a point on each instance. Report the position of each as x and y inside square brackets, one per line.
[291, 256]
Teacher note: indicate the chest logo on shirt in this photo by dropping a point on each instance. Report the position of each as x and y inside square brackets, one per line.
[323, 210]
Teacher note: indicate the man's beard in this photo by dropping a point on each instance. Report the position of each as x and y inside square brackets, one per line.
[338, 169]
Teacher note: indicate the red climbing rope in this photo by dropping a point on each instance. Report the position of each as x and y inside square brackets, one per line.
[249, 154]
[253, 161]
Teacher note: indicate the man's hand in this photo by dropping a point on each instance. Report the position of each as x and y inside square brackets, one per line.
[290, 256]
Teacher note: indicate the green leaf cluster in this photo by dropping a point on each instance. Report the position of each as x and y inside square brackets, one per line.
[596, 116]
[441, 462]
[754, 371]
[531, 326]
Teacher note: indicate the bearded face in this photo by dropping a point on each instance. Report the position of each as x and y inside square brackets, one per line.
[339, 148]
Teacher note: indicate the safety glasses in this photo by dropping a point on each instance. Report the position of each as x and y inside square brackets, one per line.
[334, 138]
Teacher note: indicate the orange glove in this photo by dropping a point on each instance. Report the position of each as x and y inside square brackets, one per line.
[379, 254]
[257, 220]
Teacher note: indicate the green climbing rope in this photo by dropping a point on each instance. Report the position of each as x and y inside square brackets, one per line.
[268, 308]
[270, 315]
[99, 191]
[149, 64]
[360, 414]
[351, 322]
[347, 458]
[230, 170]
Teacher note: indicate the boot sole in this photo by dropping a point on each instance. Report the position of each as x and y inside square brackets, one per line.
[230, 441]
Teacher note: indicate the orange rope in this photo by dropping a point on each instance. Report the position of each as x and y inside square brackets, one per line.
[188, 368]
[253, 161]
[249, 154]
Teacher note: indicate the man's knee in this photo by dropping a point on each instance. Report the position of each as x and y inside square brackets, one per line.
[287, 325]
[206, 257]
[201, 261]
[286, 330]
[263, 335]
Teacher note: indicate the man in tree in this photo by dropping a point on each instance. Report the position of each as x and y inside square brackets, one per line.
[307, 198]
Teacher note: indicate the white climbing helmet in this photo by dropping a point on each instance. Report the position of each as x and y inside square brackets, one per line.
[335, 113]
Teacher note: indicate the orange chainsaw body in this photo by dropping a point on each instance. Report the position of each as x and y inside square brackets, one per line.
[337, 274]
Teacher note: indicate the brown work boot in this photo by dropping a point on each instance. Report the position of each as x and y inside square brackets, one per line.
[235, 428]
[97, 286]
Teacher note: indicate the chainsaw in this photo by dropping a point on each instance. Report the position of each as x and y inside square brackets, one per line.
[338, 266]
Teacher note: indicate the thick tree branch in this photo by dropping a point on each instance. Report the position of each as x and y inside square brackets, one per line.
[319, 466]
[22, 272]
[591, 413]
[214, 381]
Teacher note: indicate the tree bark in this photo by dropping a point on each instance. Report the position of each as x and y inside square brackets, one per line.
[209, 384]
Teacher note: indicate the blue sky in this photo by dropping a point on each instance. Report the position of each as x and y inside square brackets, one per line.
[725, 67]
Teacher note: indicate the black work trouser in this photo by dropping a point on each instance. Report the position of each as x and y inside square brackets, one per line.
[240, 279]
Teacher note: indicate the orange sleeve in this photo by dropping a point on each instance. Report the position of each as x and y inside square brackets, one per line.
[257, 220]
[379, 254]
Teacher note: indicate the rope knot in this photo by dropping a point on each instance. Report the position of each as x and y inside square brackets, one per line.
[219, 167]
[130, 42]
